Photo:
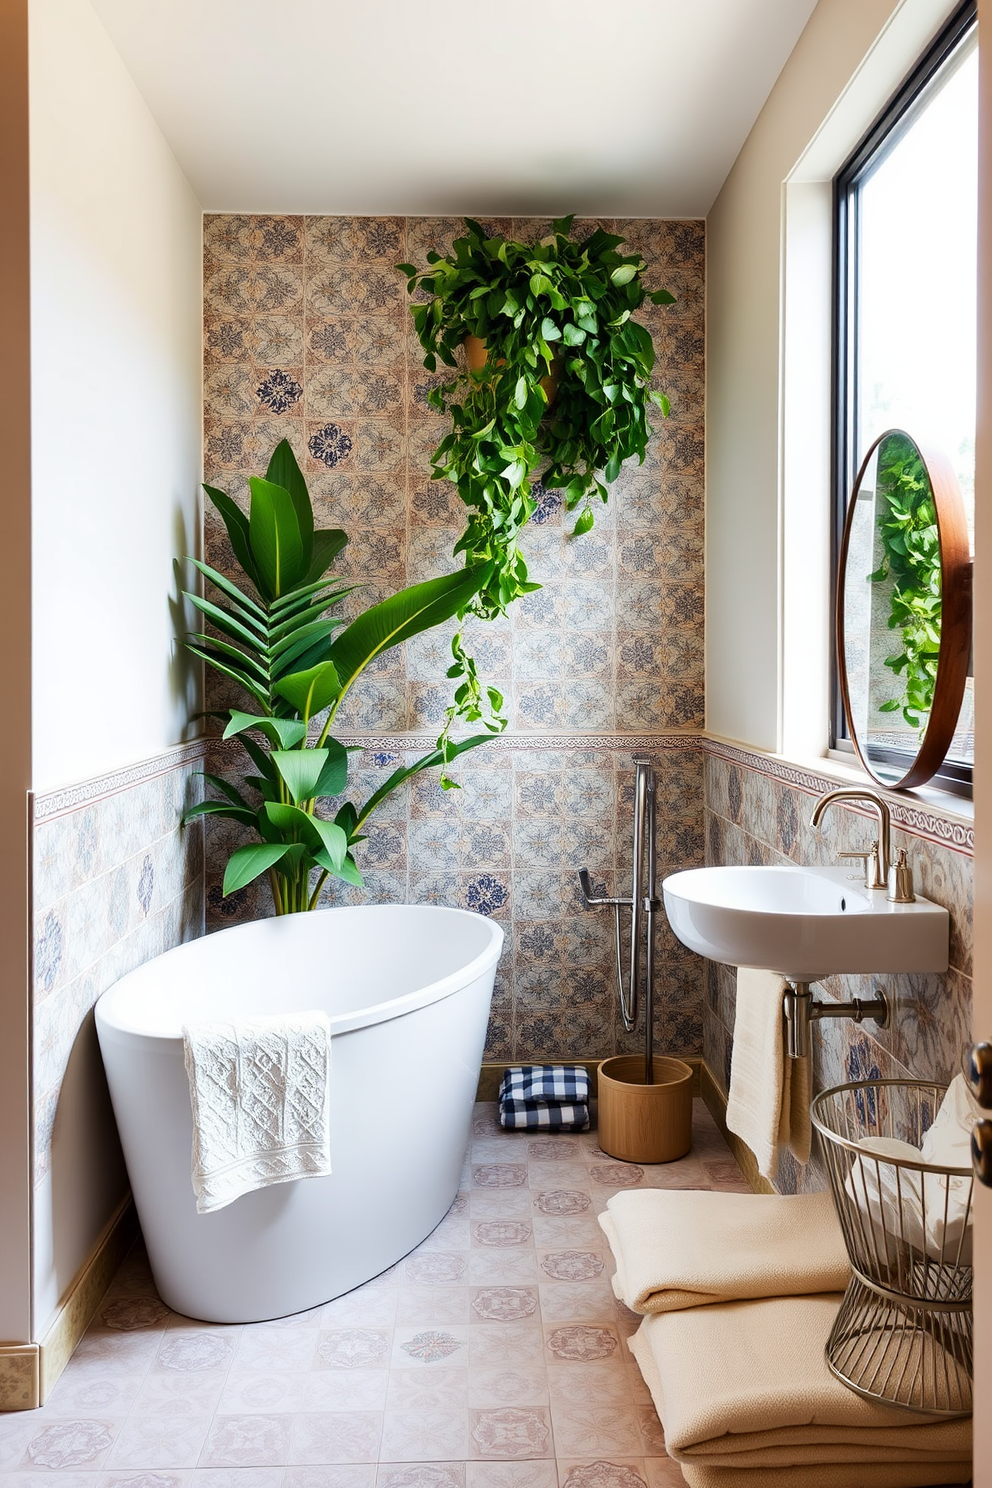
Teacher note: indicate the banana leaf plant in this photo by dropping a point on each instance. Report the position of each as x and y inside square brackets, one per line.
[277, 637]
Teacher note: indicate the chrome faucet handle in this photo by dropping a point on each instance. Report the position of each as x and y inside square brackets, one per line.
[591, 901]
[872, 865]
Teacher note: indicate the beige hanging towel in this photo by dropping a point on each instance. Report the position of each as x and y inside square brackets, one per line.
[768, 1106]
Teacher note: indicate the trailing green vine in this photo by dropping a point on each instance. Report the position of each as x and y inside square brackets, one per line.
[906, 524]
[561, 308]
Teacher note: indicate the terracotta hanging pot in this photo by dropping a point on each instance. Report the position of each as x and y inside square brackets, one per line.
[476, 356]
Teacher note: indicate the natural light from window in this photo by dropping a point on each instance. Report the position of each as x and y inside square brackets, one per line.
[916, 293]
[918, 276]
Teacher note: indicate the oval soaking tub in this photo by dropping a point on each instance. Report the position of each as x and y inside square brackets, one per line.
[407, 989]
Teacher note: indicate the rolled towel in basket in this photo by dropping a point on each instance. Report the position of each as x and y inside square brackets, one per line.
[678, 1248]
[259, 1089]
[745, 1387]
[904, 1206]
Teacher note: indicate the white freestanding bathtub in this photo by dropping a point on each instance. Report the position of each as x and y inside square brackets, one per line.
[407, 989]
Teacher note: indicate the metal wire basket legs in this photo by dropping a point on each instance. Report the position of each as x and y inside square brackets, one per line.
[904, 1331]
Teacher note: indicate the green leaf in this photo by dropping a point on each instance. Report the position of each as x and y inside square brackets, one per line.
[284, 733]
[285, 472]
[226, 621]
[247, 863]
[584, 522]
[327, 544]
[225, 787]
[404, 615]
[276, 541]
[520, 393]
[624, 273]
[334, 841]
[318, 835]
[406, 772]
[250, 609]
[334, 776]
[301, 770]
[236, 523]
[242, 814]
[311, 691]
[303, 648]
[241, 677]
[349, 872]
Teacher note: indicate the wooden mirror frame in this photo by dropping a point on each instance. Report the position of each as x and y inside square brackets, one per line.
[955, 617]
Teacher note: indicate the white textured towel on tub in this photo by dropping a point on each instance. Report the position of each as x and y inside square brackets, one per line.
[259, 1088]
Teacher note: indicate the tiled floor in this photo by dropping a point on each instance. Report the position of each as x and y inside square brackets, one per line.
[494, 1356]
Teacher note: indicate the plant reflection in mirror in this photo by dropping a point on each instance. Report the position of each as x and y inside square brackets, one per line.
[906, 527]
[295, 661]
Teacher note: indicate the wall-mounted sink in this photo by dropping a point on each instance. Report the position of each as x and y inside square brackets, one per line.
[804, 923]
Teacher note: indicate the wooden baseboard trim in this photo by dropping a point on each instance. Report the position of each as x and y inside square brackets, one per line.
[20, 1373]
[491, 1074]
[716, 1104]
[83, 1298]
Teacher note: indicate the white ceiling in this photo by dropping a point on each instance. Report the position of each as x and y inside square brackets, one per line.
[529, 107]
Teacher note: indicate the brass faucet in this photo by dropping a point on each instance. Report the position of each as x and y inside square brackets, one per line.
[878, 858]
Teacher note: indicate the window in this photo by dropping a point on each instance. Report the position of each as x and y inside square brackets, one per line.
[905, 213]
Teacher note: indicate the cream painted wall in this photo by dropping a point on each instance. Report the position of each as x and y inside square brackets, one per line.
[116, 315]
[116, 455]
[850, 57]
[15, 740]
[982, 1005]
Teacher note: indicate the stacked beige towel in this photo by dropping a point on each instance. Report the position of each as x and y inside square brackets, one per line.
[747, 1401]
[678, 1248]
[768, 1105]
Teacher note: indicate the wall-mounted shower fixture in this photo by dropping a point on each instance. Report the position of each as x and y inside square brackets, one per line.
[643, 904]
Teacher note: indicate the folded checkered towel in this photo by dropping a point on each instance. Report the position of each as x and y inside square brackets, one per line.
[553, 1097]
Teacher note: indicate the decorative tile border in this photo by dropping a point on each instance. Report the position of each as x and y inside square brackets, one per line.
[909, 815]
[500, 743]
[60, 802]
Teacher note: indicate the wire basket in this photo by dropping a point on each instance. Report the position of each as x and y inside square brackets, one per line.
[903, 1334]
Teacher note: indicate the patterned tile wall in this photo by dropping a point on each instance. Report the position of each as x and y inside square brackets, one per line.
[115, 882]
[754, 817]
[308, 337]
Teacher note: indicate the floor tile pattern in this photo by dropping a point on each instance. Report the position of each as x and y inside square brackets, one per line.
[494, 1356]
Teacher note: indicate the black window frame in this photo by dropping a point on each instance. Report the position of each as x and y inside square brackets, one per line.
[898, 115]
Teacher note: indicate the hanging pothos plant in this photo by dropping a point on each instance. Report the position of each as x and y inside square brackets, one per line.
[274, 637]
[561, 309]
[906, 525]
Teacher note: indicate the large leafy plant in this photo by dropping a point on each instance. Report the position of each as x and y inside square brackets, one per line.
[275, 637]
[906, 527]
[562, 308]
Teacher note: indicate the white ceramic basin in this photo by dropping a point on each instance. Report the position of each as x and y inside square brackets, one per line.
[805, 923]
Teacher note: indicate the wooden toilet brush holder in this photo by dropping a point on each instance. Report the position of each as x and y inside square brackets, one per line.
[645, 1123]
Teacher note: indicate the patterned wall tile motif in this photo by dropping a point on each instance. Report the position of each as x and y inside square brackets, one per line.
[307, 335]
[116, 881]
[757, 811]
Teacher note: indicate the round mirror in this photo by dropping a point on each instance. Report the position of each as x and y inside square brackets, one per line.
[904, 610]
